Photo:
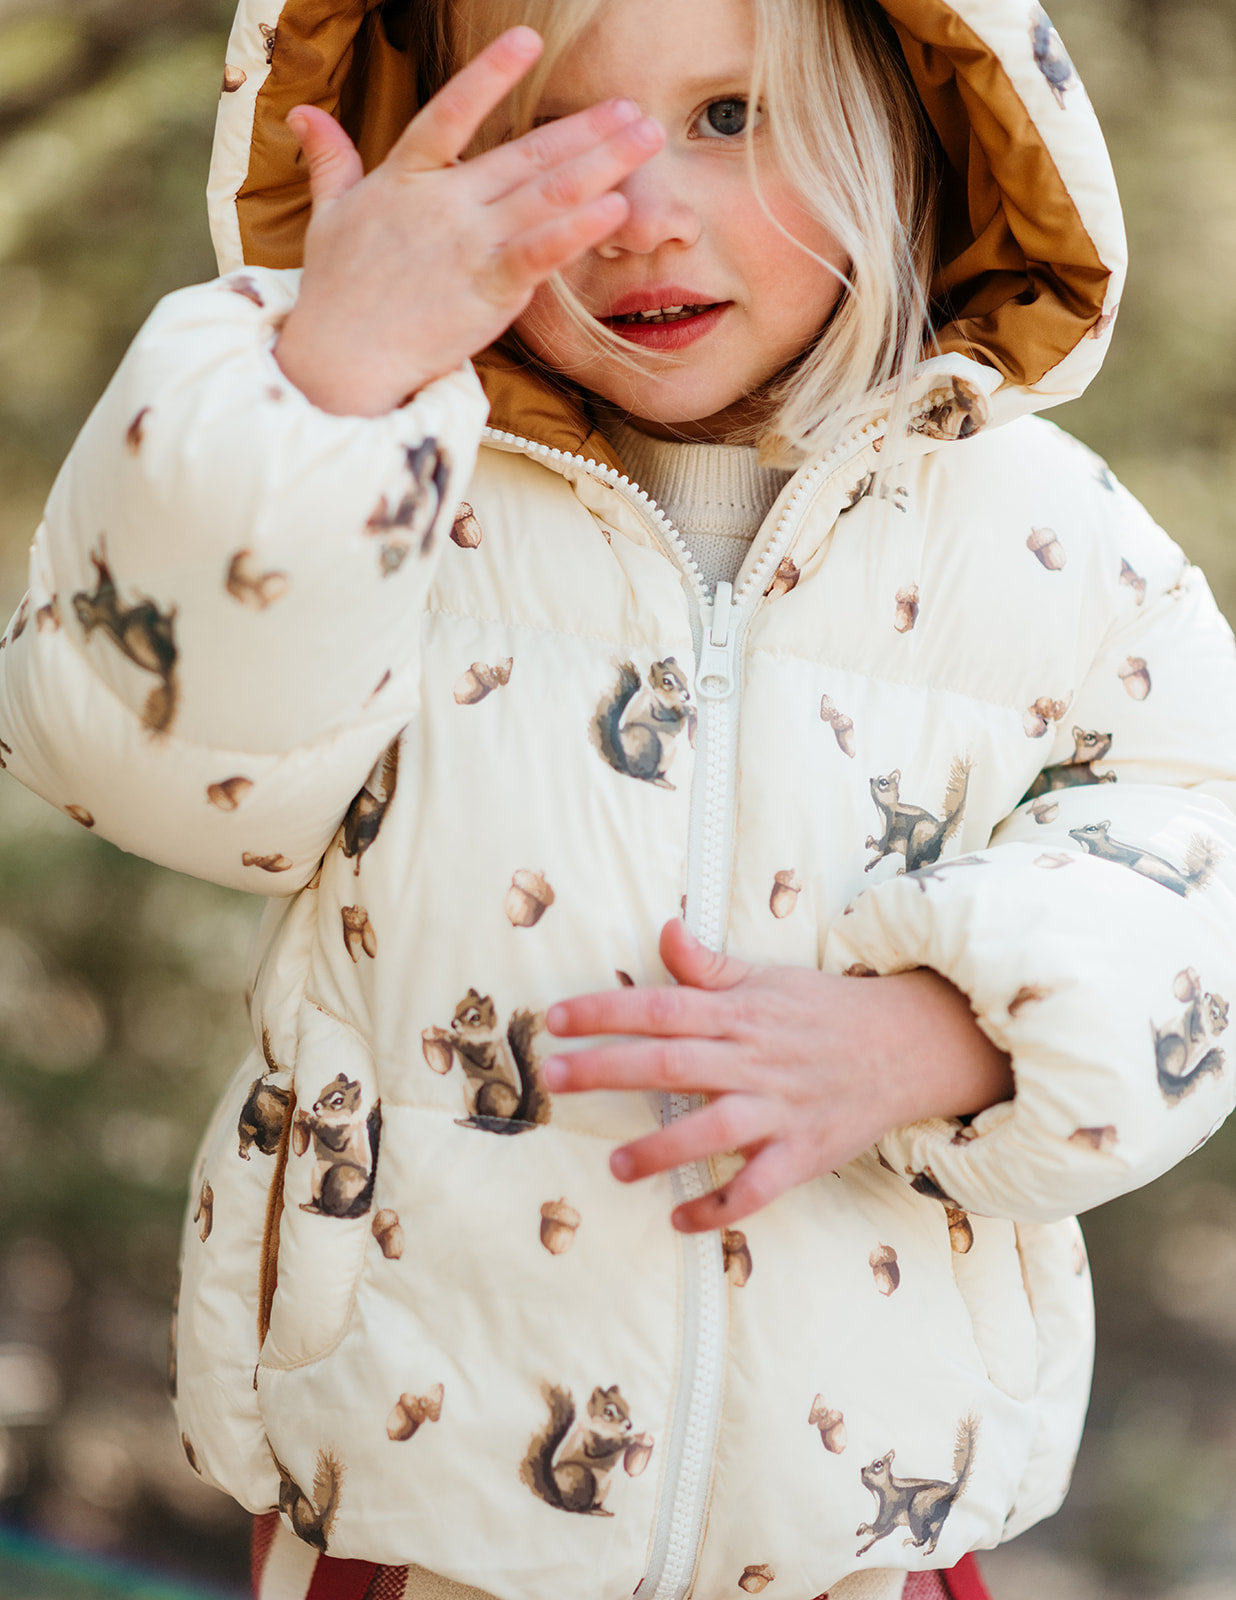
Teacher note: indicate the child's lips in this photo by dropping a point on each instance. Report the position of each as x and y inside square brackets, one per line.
[669, 326]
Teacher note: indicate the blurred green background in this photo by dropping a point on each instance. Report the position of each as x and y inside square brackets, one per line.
[120, 983]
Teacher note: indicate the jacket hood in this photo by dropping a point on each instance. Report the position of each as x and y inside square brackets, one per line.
[1032, 242]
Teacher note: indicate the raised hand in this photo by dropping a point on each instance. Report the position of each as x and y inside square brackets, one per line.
[416, 267]
[802, 1071]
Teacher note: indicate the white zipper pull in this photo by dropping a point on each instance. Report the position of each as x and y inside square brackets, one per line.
[715, 678]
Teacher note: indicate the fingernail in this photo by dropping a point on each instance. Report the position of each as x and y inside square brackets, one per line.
[555, 1072]
[627, 110]
[621, 1165]
[556, 1018]
[648, 133]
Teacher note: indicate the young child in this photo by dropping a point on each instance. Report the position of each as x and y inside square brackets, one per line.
[910, 712]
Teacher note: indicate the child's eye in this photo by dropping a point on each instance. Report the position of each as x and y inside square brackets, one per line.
[723, 119]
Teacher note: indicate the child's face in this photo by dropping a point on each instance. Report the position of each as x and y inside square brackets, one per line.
[697, 235]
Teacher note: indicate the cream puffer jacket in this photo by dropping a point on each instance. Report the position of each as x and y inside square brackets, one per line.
[453, 697]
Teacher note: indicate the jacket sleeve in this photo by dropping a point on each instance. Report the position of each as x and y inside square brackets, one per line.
[220, 633]
[1095, 936]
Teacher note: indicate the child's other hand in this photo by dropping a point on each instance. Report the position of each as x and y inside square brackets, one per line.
[802, 1071]
[418, 266]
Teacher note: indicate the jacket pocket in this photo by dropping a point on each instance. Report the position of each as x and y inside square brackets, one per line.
[327, 1192]
[989, 1279]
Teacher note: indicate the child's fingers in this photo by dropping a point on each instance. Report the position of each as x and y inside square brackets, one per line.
[693, 963]
[670, 1066]
[516, 270]
[665, 1010]
[446, 125]
[734, 1122]
[573, 183]
[509, 165]
[333, 161]
[766, 1176]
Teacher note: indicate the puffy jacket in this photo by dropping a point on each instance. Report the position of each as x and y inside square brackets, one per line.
[454, 697]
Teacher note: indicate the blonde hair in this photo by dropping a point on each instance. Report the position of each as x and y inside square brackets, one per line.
[848, 132]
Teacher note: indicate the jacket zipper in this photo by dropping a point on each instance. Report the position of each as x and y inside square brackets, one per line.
[719, 624]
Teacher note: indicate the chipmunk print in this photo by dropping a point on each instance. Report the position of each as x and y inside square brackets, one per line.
[899, 495]
[570, 1469]
[345, 1149]
[1184, 1050]
[923, 875]
[312, 1516]
[952, 409]
[204, 1216]
[141, 632]
[910, 831]
[264, 1113]
[637, 730]
[368, 810]
[268, 40]
[135, 433]
[5, 750]
[920, 1505]
[1088, 747]
[1201, 858]
[412, 522]
[1050, 56]
[502, 1081]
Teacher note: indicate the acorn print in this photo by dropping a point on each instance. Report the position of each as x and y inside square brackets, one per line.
[388, 1231]
[1044, 544]
[1028, 995]
[528, 898]
[1134, 676]
[787, 886]
[842, 726]
[964, 1135]
[233, 78]
[625, 980]
[251, 587]
[466, 530]
[379, 686]
[1134, 580]
[358, 932]
[7, 750]
[1101, 324]
[190, 1453]
[1054, 859]
[960, 1233]
[637, 1455]
[246, 289]
[1050, 56]
[300, 1134]
[737, 1256]
[830, 1423]
[47, 618]
[1098, 1139]
[436, 1049]
[78, 813]
[1043, 713]
[784, 579]
[136, 431]
[859, 970]
[1044, 811]
[883, 1264]
[410, 1410]
[205, 1213]
[907, 608]
[558, 1224]
[228, 794]
[480, 680]
[273, 863]
[755, 1580]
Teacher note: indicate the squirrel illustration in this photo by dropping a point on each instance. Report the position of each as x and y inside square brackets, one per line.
[412, 522]
[141, 632]
[909, 830]
[312, 1518]
[919, 1504]
[368, 810]
[1088, 747]
[503, 1088]
[1183, 1052]
[265, 1109]
[636, 729]
[345, 1149]
[579, 1479]
[1201, 858]
[1050, 55]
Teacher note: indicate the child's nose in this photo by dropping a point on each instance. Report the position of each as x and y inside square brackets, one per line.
[661, 211]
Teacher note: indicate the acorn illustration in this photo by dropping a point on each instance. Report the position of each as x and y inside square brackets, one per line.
[1054, 859]
[883, 1263]
[737, 1257]
[245, 287]
[480, 680]
[410, 1410]
[960, 1233]
[300, 1134]
[859, 969]
[253, 588]
[136, 431]
[80, 814]
[1043, 713]
[528, 898]
[756, 1579]
[47, 618]
[964, 1135]
[558, 1224]
[907, 608]
[1103, 322]
[233, 78]
[830, 1423]
[1044, 811]
[1135, 677]
[787, 886]
[274, 863]
[783, 580]
[190, 1452]
[436, 1050]
[466, 530]
[1044, 544]
[842, 726]
[205, 1213]
[228, 794]
[637, 1455]
[1134, 580]
[388, 1231]
[1098, 1139]
[358, 932]
[1028, 995]
[625, 980]
[379, 686]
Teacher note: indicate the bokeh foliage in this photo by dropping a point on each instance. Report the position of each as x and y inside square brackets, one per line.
[120, 983]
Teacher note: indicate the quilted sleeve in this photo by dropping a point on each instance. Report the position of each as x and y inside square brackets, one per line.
[220, 633]
[1097, 939]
